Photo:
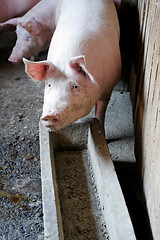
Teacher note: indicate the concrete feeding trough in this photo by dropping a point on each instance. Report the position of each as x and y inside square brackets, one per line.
[59, 196]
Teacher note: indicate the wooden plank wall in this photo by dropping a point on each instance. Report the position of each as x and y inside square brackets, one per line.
[145, 96]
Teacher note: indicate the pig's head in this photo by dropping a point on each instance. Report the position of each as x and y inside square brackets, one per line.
[68, 96]
[29, 40]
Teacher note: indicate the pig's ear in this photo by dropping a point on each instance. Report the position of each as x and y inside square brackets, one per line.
[8, 25]
[32, 26]
[38, 70]
[80, 66]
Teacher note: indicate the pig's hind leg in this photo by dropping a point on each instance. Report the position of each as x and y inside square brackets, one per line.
[100, 110]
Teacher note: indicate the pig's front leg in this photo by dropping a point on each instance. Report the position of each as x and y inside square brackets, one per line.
[100, 110]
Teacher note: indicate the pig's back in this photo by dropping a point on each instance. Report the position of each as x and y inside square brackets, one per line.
[91, 15]
[85, 27]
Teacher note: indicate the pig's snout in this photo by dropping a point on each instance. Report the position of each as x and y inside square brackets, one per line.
[51, 121]
[14, 60]
[52, 118]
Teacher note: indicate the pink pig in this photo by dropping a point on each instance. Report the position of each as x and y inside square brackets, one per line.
[34, 30]
[83, 63]
[14, 8]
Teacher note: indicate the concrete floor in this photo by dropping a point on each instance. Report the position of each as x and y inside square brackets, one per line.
[119, 127]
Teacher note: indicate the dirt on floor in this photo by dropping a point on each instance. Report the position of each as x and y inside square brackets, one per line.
[21, 102]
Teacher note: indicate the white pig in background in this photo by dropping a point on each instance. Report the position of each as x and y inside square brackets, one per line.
[14, 8]
[83, 63]
[34, 30]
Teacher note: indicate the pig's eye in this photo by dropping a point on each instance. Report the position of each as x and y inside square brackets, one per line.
[74, 87]
[49, 85]
[29, 38]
